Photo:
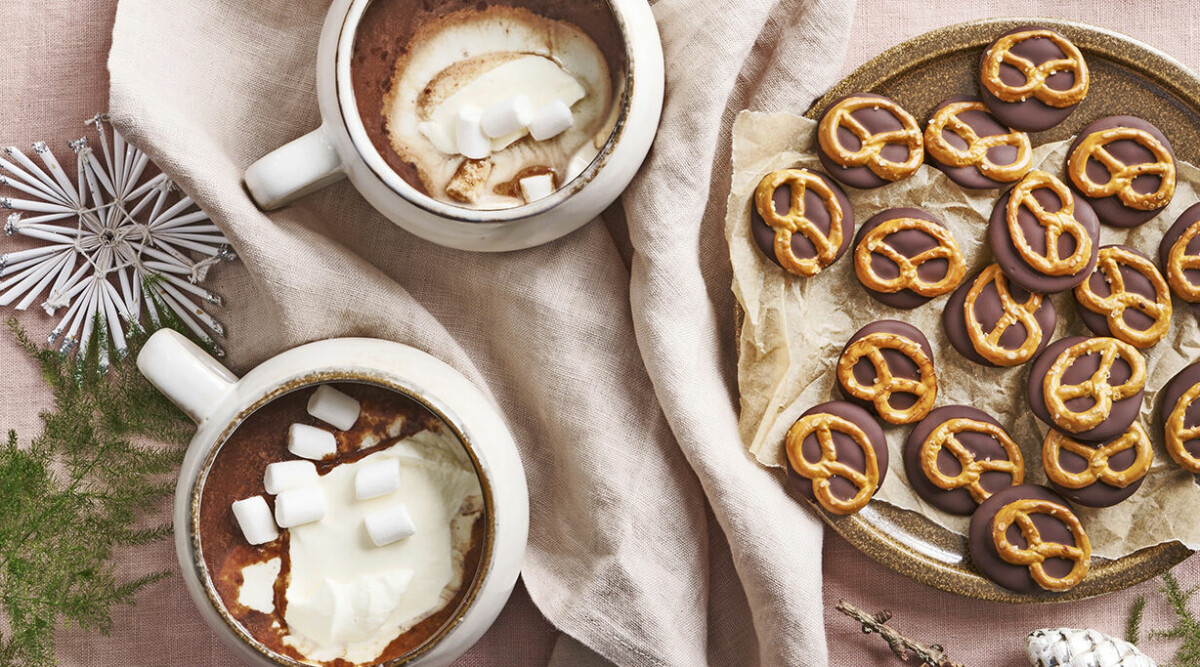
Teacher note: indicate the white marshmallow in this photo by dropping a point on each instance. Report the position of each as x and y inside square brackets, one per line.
[507, 116]
[334, 408]
[299, 506]
[537, 187]
[389, 525]
[254, 518]
[551, 120]
[377, 479]
[310, 442]
[286, 475]
[468, 134]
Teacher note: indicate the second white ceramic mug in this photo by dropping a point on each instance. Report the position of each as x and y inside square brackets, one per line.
[340, 148]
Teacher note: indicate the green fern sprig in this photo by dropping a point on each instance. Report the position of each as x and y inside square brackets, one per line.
[79, 492]
[1187, 626]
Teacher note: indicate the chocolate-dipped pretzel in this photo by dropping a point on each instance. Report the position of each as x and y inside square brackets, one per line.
[959, 456]
[888, 366]
[801, 220]
[995, 323]
[1044, 237]
[1098, 474]
[1088, 388]
[868, 140]
[1125, 167]
[1032, 78]
[905, 256]
[1180, 411]
[974, 149]
[1126, 298]
[1027, 539]
[1179, 255]
[841, 450]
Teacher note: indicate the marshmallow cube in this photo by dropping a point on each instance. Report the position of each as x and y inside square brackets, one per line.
[334, 408]
[254, 518]
[468, 133]
[287, 475]
[551, 120]
[390, 525]
[507, 116]
[299, 506]
[377, 479]
[537, 187]
[310, 442]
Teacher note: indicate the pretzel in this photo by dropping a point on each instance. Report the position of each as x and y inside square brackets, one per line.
[880, 392]
[870, 153]
[875, 241]
[1055, 225]
[945, 437]
[987, 344]
[1179, 260]
[976, 152]
[1096, 387]
[823, 425]
[1097, 458]
[1177, 433]
[796, 219]
[1035, 554]
[1121, 175]
[1114, 305]
[1035, 75]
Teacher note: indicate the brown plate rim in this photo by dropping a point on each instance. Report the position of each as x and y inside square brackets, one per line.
[868, 530]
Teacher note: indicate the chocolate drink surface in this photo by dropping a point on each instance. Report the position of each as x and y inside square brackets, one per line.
[324, 592]
[488, 105]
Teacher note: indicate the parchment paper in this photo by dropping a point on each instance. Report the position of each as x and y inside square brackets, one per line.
[794, 328]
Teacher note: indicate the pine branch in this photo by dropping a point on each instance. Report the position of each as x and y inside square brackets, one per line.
[904, 647]
[77, 494]
[1187, 626]
[1133, 627]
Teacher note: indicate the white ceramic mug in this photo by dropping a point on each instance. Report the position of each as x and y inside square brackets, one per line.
[219, 402]
[340, 148]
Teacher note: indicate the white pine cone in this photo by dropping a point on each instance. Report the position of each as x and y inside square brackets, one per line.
[1068, 647]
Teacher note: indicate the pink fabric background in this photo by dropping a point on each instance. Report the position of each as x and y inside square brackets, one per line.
[53, 76]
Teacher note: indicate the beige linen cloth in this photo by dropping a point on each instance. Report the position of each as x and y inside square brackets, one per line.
[654, 538]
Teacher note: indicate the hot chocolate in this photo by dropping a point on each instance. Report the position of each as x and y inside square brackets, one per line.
[356, 555]
[488, 105]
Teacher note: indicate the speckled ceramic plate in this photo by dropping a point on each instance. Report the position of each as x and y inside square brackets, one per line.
[1128, 77]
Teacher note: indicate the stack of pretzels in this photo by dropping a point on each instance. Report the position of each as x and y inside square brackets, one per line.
[1045, 235]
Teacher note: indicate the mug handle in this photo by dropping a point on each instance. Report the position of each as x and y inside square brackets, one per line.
[294, 170]
[188, 376]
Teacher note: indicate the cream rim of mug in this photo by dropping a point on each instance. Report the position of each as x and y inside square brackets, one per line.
[348, 111]
[362, 376]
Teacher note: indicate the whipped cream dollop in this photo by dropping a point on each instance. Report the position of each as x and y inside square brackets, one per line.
[480, 58]
[346, 597]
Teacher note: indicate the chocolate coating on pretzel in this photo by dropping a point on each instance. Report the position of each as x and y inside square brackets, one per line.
[938, 262]
[1098, 474]
[1125, 297]
[1115, 209]
[1032, 114]
[849, 427]
[982, 542]
[973, 148]
[992, 460]
[897, 159]
[1179, 412]
[818, 212]
[1024, 335]
[890, 372]
[1179, 255]
[1120, 414]
[1049, 193]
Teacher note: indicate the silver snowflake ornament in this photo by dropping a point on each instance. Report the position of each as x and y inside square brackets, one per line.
[117, 246]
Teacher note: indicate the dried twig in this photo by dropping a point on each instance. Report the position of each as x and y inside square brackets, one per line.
[903, 647]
